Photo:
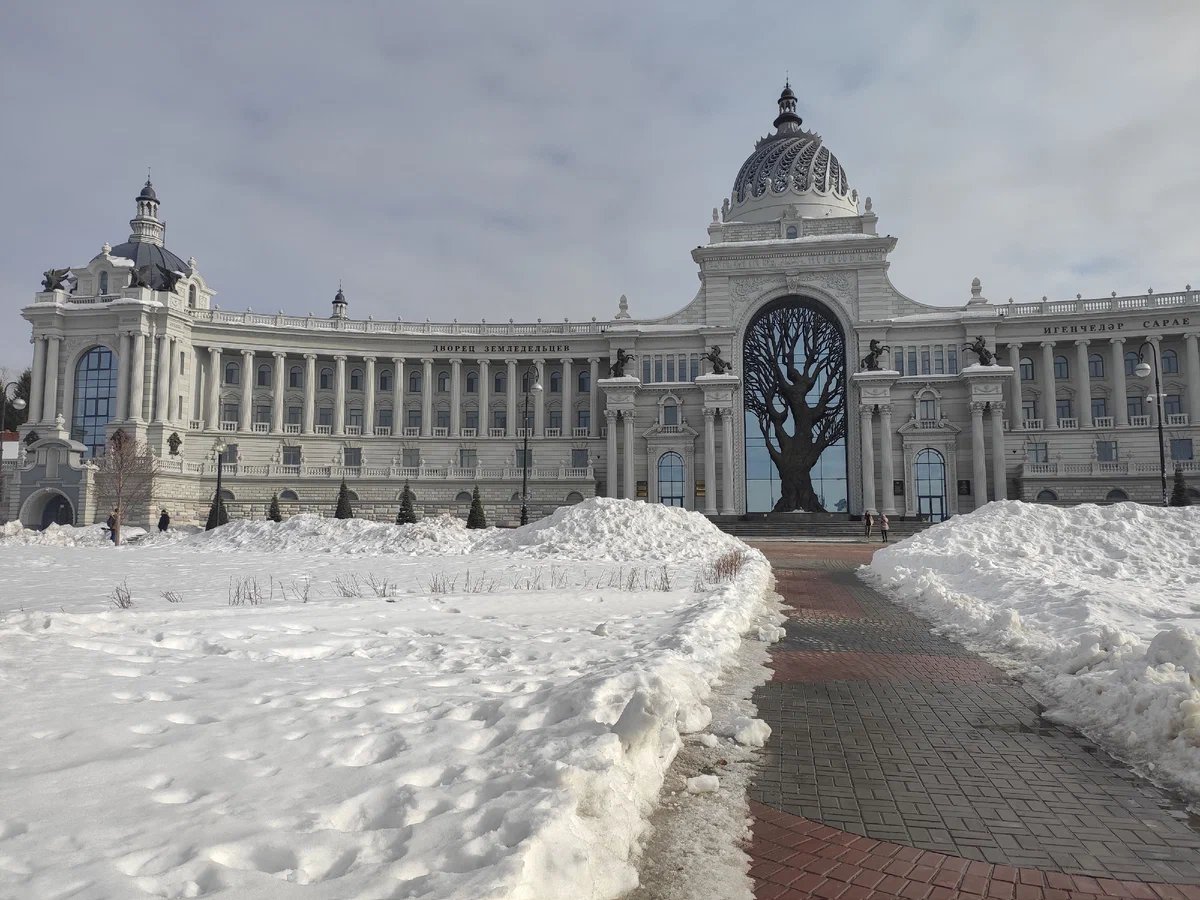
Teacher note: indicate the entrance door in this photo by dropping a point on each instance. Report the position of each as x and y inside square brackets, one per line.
[670, 479]
[931, 484]
[57, 512]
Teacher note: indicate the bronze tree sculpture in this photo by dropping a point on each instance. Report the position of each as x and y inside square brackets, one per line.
[794, 371]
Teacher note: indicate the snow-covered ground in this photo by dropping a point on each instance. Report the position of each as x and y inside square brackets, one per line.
[1097, 606]
[497, 724]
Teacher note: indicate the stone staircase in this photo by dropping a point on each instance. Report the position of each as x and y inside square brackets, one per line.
[814, 527]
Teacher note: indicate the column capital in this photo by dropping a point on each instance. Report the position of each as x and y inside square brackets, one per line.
[339, 357]
[977, 408]
[610, 414]
[567, 361]
[1012, 344]
[426, 360]
[1082, 342]
[1154, 339]
[279, 354]
[212, 351]
[594, 360]
[885, 409]
[709, 412]
[1119, 339]
[369, 359]
[483, 362]
[247, 353]
[310, 356]
[456, 361]
[866, 410]
[398, 360]
[1191, 335]
[1047, 345]
[996, 406]
[538, 361]
[53, 337]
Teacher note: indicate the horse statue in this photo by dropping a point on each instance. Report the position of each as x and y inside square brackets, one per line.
[870, 362]
[979, 348]
[617, 369]
[54, 279]
[719, 366]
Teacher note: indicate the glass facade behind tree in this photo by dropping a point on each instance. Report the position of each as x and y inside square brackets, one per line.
[95, 399]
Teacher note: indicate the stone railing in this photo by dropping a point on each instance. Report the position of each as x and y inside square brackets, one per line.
[1103, 421]
[1177, 419]
[234, 471]
[373, 326]
[1068, 423]
[1108, 467]
[1112, 304]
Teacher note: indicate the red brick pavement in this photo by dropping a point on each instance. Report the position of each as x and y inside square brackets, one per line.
[818, 666]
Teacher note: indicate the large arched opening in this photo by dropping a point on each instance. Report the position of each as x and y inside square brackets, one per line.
[931, 484]
[47, 507]
[794, 386]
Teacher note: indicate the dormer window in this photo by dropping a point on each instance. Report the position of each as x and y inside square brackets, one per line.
[191, 296]
[792, 232]
[103, 282]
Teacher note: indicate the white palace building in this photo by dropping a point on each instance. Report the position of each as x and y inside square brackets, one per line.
[794, 271]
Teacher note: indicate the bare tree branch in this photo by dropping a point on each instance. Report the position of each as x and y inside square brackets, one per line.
[125, 479]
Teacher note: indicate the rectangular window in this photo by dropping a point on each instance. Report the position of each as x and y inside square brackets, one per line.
[1181, 449]
[443, 418]
[925, 361]
[467, 459]
[524, 457]
[1106, 451]
[695, 366]
[499, 418]
[229, 412]
[658, 369]
[952, 360]
[354, 417]
[1172, 405]
[579, 459]
[414, 418]
[645, 370]
[1062, 408]
[554, 417]
[410, 457]
[670, 368]
[472, 419]
[928, 409]
[898, 359]
[1135, 406]
[912, 360]
[1099, 407]
[229, 457]
[939, 362]
[383, 418]
[295, 415]
[325, 416]
[291, 456]
[1028, 409]
[1039, 452]
[583, 418]
[352, 457]
[262, 414]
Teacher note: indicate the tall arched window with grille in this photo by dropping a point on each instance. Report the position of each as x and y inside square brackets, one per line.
[95, 398]
[670, 479]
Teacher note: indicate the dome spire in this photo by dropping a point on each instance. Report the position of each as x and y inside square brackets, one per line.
[787, 121]
[145, 225]
[339, 303]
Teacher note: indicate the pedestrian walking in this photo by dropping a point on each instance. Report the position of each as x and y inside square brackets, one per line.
[883, 527]
[164, 521]
[111, 522]
[869, 522]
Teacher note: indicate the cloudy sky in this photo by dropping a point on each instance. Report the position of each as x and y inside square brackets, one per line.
[538, 159]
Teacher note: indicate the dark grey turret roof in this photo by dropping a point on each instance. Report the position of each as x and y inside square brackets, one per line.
[152, 262]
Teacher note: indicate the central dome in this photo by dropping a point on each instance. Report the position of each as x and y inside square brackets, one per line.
[791, 168]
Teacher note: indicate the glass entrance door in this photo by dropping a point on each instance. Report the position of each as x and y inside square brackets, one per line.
[931, 484]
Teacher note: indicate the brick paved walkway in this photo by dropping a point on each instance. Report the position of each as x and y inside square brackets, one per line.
[902, 765]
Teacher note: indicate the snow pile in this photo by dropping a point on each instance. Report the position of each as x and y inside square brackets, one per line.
[604, 528]
[11, 533]
[1099, 606]
[470, 742]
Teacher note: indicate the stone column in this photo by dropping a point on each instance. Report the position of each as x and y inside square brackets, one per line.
[865, 413]
[162, 379]
[513, 412]
[398, 388]
[212, 421]
[1192, 360]
[310, 393]
[630, 484]
[1118, 380]
[485, 394]
[174, 373]
[710, 462]
[278, 381]
[978, 456]
[339, 395]
[1083, 385]
[539, 401]
[1017, 414]
[455, 401]
[137, 376]
[727, 507]
[50, 387]
[426, 397]
[369, 403]
[249, 376]
[887, 473]
[568, 414]
[1049, 401]
[594, 398]
[37, 378]
[1000, 490]
[611, 464]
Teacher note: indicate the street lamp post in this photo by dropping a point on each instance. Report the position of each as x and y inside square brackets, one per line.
[1142, 369]
[219, 448]
[534, 386]
[17, 404]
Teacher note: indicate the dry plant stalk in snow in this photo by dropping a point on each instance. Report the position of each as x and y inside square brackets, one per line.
[347, 586]
[125, 476]
[120, 596]
[172, 597]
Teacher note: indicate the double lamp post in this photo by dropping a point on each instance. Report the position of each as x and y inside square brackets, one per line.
[531, 385]
[1141, 370]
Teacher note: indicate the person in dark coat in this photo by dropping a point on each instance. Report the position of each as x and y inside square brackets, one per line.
[164, 521]
[868, 521]
[112, 526]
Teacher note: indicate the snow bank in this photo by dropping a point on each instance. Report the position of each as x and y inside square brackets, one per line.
[1099, 606]
[315, 534]
[12, 533]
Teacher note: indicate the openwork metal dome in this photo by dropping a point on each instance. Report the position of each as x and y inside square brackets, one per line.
[791, 168]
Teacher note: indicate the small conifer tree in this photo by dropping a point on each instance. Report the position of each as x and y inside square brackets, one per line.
[344, 510]
[1179, 492]
[273, 512]
[406, 514]
[217, 513]
[476, 518]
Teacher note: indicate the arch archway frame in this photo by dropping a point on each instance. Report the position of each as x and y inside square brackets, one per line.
[807, 288]
[34, 506]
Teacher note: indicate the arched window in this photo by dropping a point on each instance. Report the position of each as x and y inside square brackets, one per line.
[500, 382]
[516, 497]
[103, 282]
[443, 382]
[191, 296]
[1046, 496]
[555, 383]
[227, 494]
[1062, 368]
[356, 379]
[414, 382]
[353, 496]
[463, 497]
[1116, 495]
[232, 373]
[670, 413]
[264, 376]
[385, 379]
[472, 382]
[1026, 369]
[1131, 361]
[1095, 366]
[585, 382]
[670, 479]
[295, 377]
[326, 379]
[288, 495]
[95, 398]
[573, 497]
[931, 484]
[1170, 362]
[792, 232]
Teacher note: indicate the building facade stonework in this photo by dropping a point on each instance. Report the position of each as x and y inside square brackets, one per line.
[133, 341]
